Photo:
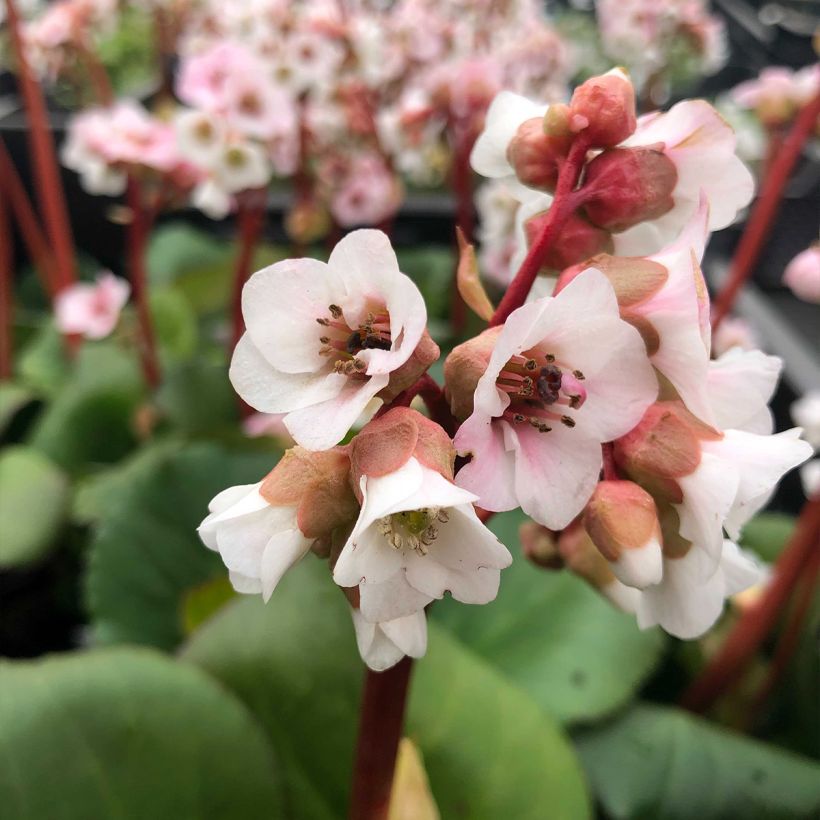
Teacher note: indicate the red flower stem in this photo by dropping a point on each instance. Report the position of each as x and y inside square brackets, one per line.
[6, 273]
[97, 74]
[790, 636]
[250, 219]
[50, 194]
[610, 468]
[139, 231]
[761, 221]
[14, 191]
[756, 623]
[380, 729]
[462, 181]
[563, 205]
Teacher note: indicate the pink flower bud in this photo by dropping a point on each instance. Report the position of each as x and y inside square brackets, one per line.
[540, 545]
[803, 275]
[317, 484]
[604, 108]
[578, 240]
[633, 278]
[533, 155]
[625, 186]
[387, 443]
[426, 352]
[464, 367]
[622, 521]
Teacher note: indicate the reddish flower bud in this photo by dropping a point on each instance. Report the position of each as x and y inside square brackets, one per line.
[622, 521]
[578, 240]
[464, 367]
[386, 444]
[604, 109]
[625, 186]
[426, 352]
[633, 278]
[540, 545]
[533, 155]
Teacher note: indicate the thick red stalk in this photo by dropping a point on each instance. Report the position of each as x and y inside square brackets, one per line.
[50, 194]
[380, 727]
[756, 623]
[761, 221]
[250, 218]
[97, 74]
[563, 205]
[462, 181]
[139, 230]
[13, 189]
[6, 264]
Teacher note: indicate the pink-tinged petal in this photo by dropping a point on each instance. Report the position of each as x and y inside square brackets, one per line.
[272, 391]
[504, 116]
[323, 424]
[366, 559]
[760, 461]
[555, 473]
[740, 384]
[282, 551]
[281, 304]
[490, 473]
[708, 495]
[390, 599]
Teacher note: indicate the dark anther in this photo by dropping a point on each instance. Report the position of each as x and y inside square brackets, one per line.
[376, 342]
[530, 364]
[548, 383]
[354, 342]
[335, 311]
[323, 322]
[567, 421]
[550, 358]
[578, 375]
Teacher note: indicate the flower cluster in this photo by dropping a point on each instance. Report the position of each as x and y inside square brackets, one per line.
[597, 410]
[778, 93]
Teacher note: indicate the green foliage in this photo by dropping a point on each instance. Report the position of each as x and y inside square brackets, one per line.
[13, 398]
[146, 555]
[175, 325]
[432, 269]
[490, 751]
[767, 533]
[33, 500]
[661, 764]
[43, 364]
[127, 733]
[555, 637]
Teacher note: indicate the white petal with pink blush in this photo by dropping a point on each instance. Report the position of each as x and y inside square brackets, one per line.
[92, 310]
[416, 538]
[323, 339]
[566, 375]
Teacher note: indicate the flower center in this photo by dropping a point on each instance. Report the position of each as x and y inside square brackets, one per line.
[340, 342]
[541, 390]
[413, 529]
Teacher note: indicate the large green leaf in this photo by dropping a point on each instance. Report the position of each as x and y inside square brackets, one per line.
[13, 398]
[555, 637]
[659, 763]
[128, 734]
[490, 751]
[33, 500]
[146, 555]
[175, 327]
[767, 534]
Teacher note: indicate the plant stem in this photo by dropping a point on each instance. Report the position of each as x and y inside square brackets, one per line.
[756, 623]
[50, 192]
[6, 264]
[380, 729]
[97, 75]
[562, 208]
[462, 181]
[250, 218]
[137, 244]
[761, 221]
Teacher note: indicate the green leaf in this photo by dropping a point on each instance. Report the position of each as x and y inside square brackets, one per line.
[90, 418]
[33, 500]
[433, 270]
[128, 734]
[660, 763]
[197, 397]
[174, 325]
[490, 751]
[550, 633]
[13, 398]
[43, 364]
[767, 534]
[146, 555]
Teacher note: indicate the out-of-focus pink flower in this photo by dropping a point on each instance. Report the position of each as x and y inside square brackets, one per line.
[566, 374]
[92, 310]
[202, 78]
[369, 194]
[778, 92]
[267, 424]
[733, 332]
[802, 275]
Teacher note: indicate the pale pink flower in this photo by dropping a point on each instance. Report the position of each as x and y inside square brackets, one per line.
[92, 310]
[778, 92]
[810, 478]
[323, 339]
[257, 108]
[806, 413]
[734, 331]
[384, 644]
[313, 60]
[202, 78]
[802, 275]
[417, 537]
[566, 374]
[368, 195]
[259, 425]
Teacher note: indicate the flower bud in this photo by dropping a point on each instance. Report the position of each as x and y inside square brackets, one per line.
[633, 278]
[464, 367]
[622, 521]
[540, 545]
[556, 125]
[625, 186]
[388, 442]
[426, 352]
[578, 240]
[532, 154]
[604, 109]
[317, 483]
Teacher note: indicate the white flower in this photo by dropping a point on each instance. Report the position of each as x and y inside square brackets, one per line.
[323, 339]
[384, 644]
[417, 537]
[806, 413]
[258, 542]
